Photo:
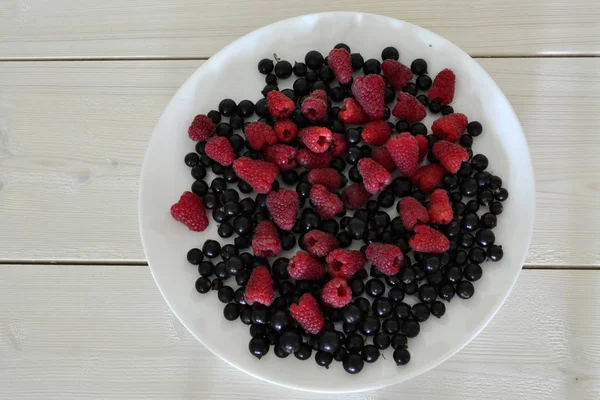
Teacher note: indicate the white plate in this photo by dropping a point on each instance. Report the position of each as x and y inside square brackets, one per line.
[232, 73]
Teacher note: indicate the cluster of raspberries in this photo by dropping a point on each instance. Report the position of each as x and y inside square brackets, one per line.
[298, 140]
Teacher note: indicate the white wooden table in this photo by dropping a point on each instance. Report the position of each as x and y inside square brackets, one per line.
[82, 83]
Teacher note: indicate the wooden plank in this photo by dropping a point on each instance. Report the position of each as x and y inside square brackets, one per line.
[73, 135]
[188, 28]
[105, 331]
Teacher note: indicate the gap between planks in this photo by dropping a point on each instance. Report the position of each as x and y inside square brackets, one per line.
[166, 58]
[145, 264]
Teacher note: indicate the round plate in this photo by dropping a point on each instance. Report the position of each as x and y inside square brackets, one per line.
[232, 73]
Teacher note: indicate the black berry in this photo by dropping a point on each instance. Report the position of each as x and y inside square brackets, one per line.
[390, 53]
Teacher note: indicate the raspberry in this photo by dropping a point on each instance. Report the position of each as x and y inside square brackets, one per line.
[375, 177]
[319, 94]
[280, 106]
[387, 258]
[340, 62]
[429, 176]
[450, 127]
[382, 156]
[338, 144]
[265, 242]
[450, 155]
[412, 212]
[428, 240]
[260, 287]
[342, 263]
[442, 89]
[376, 133]
[283, 206]
[355, 196]
[369, 92]
[396, 73]
[326, 204]
[189, 210]
[352, 112]
[319, 244]
[202, 128]
[440, 209]
[219, 149]
[314, 108]
[423, 146]
[409, 108]
[304, 266]
[259, 134]
[316, 138]
[258, 174]
[310, 160]
[282, 155]
[307, 314]
[336, 293]
[327, 177]
[404, 150]
[285, 130]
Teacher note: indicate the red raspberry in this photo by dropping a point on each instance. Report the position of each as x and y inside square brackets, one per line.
[316, 138]
[319, 243]
[342, 263]
[352, 112]
[387, 258]
[450, 127]
[282, 155]
[202, 128]
[326, 204]
[258, 174]
[338, 144]
[219, 149]
[355, 196]
[375, 177]
[404, 150]
[428, 177]
[304, 266]
[189, 210]
[259, 134]
[423, 146]
[336, 293]
[260, 287]
[283, 206]
[319, 94]
[280, 106]
[310, 160]
[376, 133]
[396, 73]
[412, 212]
[285, 130]
[409, 108]
[340, 62]
[442, 89]
[314, 108]
[450, 155]
[440, 209]
[307, 314]
[428, 240]
[382, 156]
[369, 92]
[327, 177]
[265, 242]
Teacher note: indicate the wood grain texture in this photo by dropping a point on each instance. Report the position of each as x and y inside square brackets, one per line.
[188, 28]
[105, 332]
[73, 135]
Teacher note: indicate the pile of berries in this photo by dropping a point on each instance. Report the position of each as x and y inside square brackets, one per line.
[329, 165]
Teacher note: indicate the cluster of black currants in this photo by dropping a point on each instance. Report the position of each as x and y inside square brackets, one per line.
[381, 314]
